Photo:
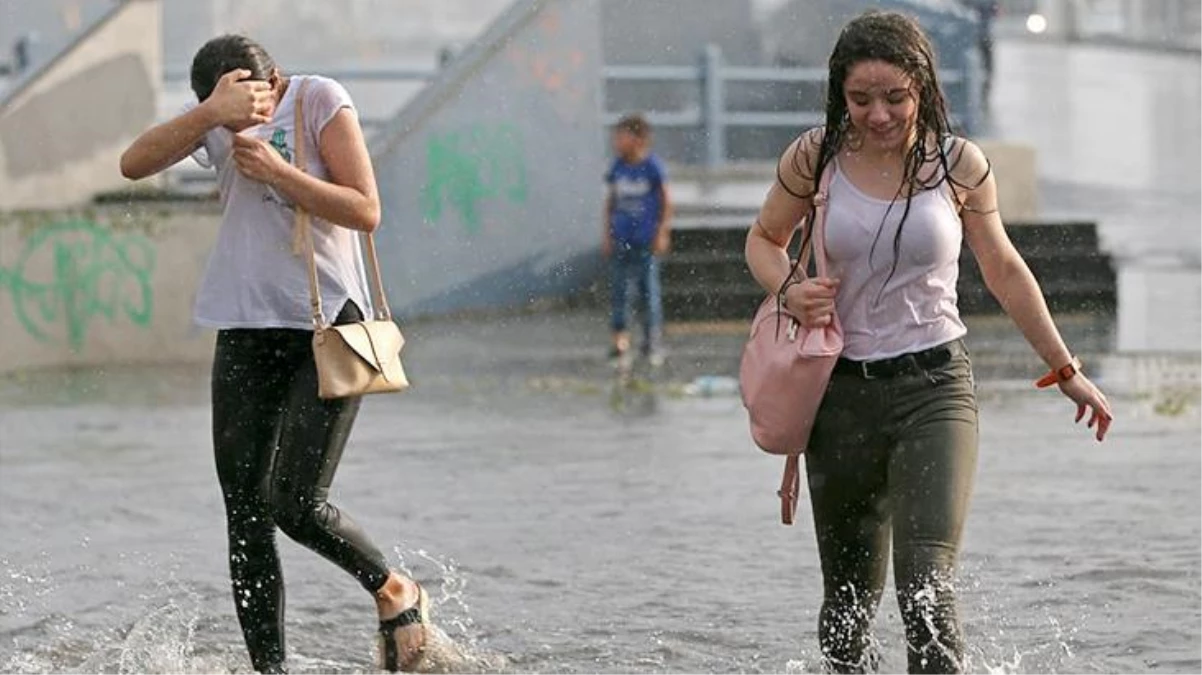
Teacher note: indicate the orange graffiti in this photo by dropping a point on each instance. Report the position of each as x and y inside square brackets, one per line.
[550, 62]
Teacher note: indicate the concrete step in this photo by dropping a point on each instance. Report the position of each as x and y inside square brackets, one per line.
[706, 275]
[1062, 296]
[708, 301]
[1094, 270]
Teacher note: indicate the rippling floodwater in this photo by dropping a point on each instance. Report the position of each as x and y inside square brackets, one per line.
[565, 529]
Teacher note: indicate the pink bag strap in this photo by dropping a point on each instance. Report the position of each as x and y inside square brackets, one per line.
[790, 490]
[818, 227]
[790, 484]
[820, 208]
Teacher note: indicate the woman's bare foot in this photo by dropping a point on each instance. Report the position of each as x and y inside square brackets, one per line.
[402, 607]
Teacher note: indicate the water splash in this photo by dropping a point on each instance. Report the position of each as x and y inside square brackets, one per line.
[996, 651]
[452, 642]
[934, 595]
[161, 640]
[1006, 633]
[19, 587]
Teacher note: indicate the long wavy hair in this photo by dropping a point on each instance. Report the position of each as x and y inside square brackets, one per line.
[898, 40]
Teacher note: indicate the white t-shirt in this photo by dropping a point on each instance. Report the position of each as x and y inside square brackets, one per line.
[253, 279]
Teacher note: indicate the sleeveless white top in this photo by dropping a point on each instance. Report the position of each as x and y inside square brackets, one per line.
[886, 311]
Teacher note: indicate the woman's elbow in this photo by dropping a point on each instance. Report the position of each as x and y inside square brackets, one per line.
[369, 217]
[747, 244]
[130, 168]
[754, 243]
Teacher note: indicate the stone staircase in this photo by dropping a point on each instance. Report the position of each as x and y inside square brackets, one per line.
[706, 278]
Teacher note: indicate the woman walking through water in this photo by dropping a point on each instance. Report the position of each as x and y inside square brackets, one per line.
[894, 446]
[277, 445]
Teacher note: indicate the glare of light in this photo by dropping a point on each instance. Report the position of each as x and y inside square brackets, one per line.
[1036, 23]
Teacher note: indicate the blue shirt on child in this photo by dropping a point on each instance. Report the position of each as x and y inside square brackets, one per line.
[637, 206]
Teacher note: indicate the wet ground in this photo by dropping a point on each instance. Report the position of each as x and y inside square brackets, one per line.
[569, 524]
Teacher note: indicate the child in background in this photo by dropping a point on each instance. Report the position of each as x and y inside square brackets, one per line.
[637, 212]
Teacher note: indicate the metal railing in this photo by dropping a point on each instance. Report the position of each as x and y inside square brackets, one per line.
[715, 117]
[712, 77]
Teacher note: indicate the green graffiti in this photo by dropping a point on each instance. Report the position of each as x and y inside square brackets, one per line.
[89, 271]
[467, 167]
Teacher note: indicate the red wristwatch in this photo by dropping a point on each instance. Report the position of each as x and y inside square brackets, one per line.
[1062, 374]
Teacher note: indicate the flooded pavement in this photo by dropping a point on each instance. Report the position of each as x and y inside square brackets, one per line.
[565, 525]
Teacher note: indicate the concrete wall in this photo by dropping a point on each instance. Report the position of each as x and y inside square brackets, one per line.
[491, 178]
[1014, 167]
[45, 26]
[1160, 306]
[367, 32]
[104, 285]
[803, 32]
[63, 129]
[675, 32]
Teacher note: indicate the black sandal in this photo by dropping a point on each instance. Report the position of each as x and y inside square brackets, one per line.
[390, 651]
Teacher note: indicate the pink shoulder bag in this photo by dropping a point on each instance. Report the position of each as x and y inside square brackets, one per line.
[786, 367]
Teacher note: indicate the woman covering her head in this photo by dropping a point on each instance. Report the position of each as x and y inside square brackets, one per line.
[277, 444]
[894, 446]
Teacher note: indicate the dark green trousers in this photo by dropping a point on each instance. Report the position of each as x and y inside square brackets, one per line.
[892, 457]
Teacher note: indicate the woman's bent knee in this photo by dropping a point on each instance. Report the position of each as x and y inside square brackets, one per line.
[296, 518]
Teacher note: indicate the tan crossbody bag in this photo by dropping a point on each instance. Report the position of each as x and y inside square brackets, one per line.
[355, 358]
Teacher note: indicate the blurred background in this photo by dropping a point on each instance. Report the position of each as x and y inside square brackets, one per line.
[570, 523]
[496, 98]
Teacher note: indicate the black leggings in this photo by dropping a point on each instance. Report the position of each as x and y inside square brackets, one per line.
[893, 458]
[277, 447]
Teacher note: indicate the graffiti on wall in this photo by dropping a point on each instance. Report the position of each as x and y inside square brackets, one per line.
[550, 61]
[69, 273]
[470, 166]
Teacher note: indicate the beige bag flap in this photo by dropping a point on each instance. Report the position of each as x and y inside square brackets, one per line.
[377, 342]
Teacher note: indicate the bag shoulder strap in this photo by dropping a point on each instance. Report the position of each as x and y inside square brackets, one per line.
[303, 235]
[790, 484]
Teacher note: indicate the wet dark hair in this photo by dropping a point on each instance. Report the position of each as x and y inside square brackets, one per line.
[635, 124]
[898, 40]
[223, 54]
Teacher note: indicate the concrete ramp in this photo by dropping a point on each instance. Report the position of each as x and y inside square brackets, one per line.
[491, 177]
[63, 128]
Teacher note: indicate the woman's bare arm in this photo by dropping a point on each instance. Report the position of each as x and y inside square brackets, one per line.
[349, 198]
[787, 203]
[234, 101]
